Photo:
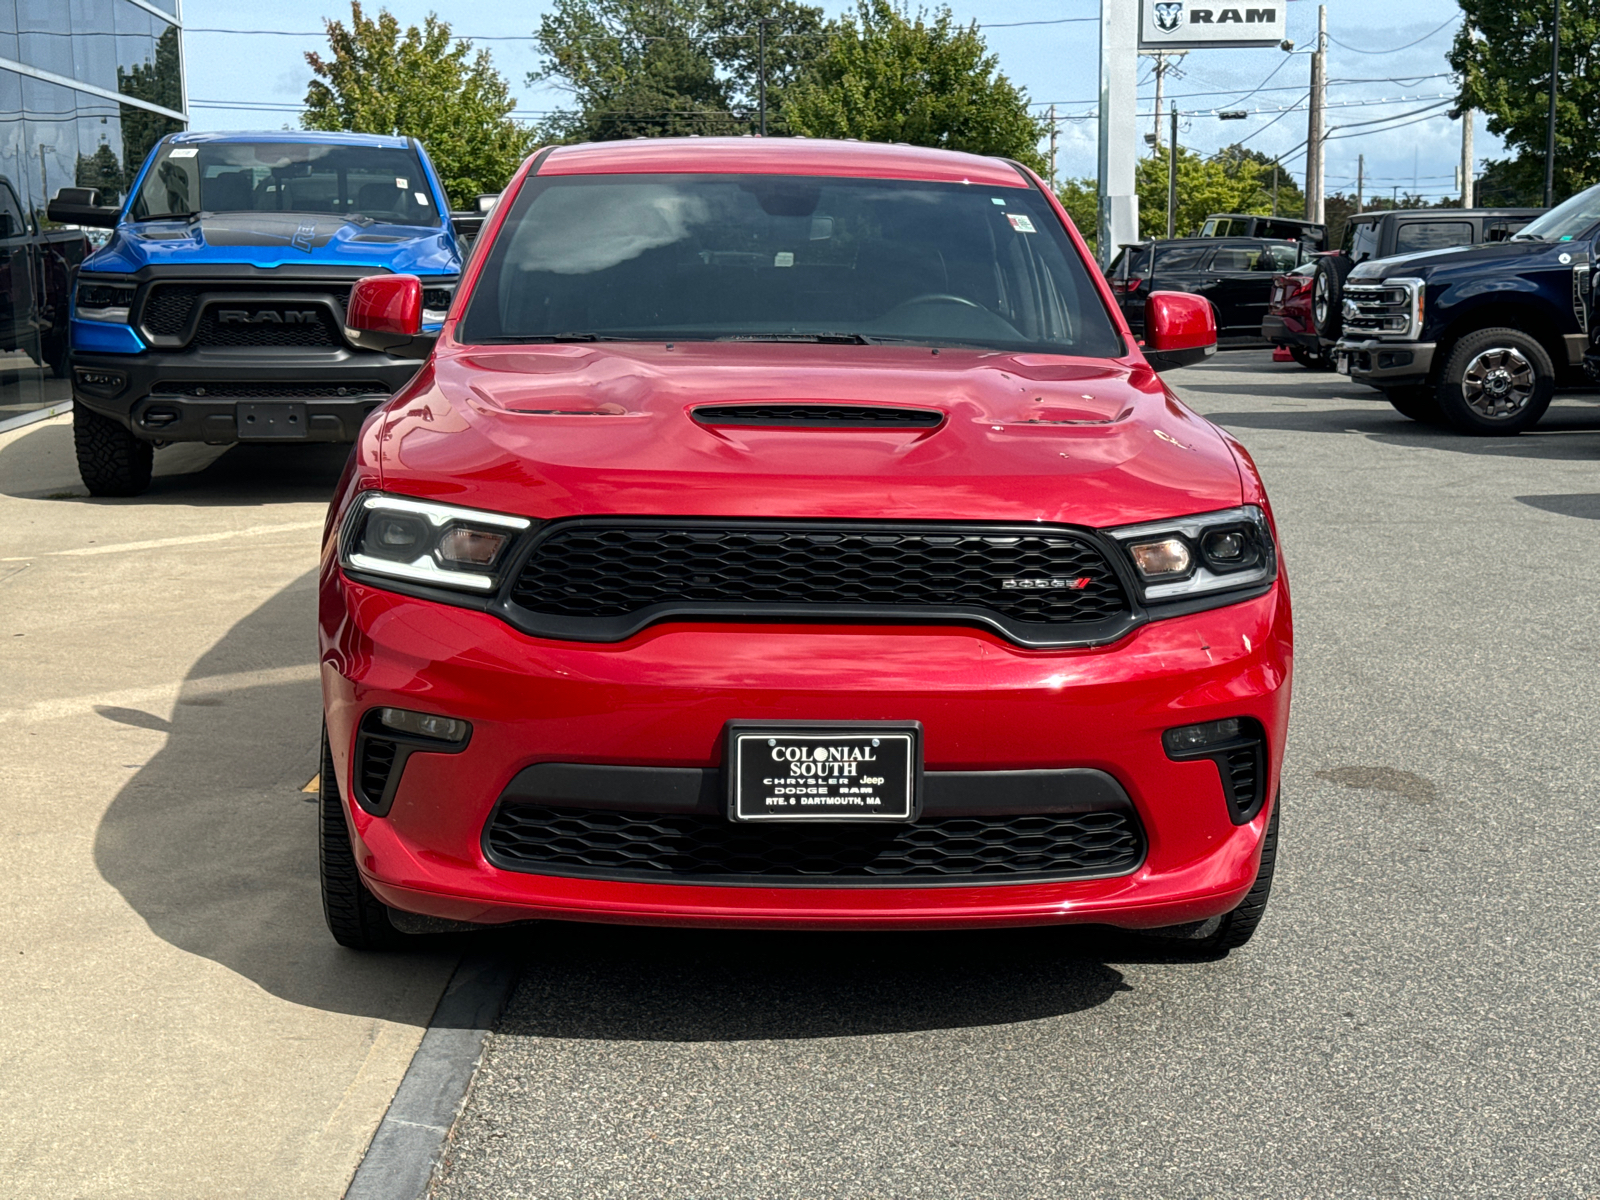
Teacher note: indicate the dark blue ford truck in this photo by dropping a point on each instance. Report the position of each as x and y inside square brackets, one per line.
[1477, 338]
[215, 313]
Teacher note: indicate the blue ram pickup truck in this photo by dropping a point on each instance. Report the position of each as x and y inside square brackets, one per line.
[215, 312]
[1478, 338]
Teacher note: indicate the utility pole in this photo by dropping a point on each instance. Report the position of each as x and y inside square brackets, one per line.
[1314, 133]
[1274, 187]
[1550, 131]
[761, 70]
[1161, 73]
[1172, 176]
[1361, 179]
[1054, 127]
[1467, 197]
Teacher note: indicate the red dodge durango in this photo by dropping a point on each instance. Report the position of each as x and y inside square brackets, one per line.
[789, 534]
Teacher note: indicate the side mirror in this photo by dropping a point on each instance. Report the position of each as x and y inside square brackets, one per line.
[1179, 330]
[385, 314]
[467, 225]
[81, 206]
[8, 226]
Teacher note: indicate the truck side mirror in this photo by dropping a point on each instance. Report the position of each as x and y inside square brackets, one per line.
[81, 206]
[1179, 330]
[8, 227]
[385, 314]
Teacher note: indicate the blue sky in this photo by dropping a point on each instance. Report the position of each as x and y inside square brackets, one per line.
[1371, 59]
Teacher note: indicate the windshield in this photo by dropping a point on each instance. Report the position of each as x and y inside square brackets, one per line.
[702, 257]
[349, 181]
[1565, 221]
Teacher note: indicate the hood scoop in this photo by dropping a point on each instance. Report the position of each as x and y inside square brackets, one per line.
[818, 416]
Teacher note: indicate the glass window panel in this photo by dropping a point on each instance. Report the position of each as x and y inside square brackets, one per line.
[8, 29]
[1432, 235]
[94, 43]
[100, 163]
[45, 35]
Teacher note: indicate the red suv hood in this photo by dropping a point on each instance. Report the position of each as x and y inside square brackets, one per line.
[562, 430]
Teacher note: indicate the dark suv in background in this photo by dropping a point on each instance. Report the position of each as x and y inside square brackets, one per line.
[1234, 274]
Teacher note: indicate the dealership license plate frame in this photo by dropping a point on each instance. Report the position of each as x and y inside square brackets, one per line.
[747, 754]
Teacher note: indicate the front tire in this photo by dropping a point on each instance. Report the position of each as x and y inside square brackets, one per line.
[355, 917]
[111, 461]
[1496, 383]
[1232, 930]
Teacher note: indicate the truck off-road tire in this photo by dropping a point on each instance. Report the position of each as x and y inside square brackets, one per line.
[1232, 930]
[355, 917]
[1327, 296]
[111, 461]
[1419, 402]
[1312, 360]
[1496, 383]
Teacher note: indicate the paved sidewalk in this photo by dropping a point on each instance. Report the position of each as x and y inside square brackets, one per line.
[178, 1024]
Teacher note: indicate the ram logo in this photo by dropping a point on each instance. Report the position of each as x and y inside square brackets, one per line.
[266, 316]
[1169, 16]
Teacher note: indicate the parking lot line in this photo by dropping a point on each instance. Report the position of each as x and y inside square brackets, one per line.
[186, 540]
[77, 706]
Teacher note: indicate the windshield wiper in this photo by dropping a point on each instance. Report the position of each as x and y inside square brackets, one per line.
[173, 216]
[846, 339]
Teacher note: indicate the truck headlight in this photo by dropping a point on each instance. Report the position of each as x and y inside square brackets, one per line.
[418, 541]
[1191, 556]
[103, 302]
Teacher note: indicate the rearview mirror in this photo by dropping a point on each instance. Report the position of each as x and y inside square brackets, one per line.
[1179, 330]
[386, 314]
[81, 206]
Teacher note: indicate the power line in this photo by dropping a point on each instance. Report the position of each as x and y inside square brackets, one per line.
[530, 37]
[1396, 49]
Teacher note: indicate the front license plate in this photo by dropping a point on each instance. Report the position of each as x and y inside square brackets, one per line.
[868, 771]
[271, 420]
[1341, 363]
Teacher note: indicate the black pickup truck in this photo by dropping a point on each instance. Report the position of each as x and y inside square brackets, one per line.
[36, 270]
[1235, 274]
[1476, 337]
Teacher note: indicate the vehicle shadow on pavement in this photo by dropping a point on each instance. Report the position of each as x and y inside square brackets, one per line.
[1568, 432]
[618, 983]
[214, 844]
[41, 465]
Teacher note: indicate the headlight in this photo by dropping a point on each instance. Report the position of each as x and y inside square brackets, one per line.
[422, 542]
[1190, 556]
[103, 302]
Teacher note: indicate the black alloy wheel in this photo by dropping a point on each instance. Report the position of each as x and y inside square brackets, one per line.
[1496, 383]
[355, 917]
[1327, 296]
[111, 461]
[1231, 930]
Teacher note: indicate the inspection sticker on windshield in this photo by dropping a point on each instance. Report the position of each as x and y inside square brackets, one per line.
[402, 184]
[184, 152]
[1020, 223]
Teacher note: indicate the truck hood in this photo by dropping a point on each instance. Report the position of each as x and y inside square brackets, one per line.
[564, 430]
[1425, 262]
[269, 239]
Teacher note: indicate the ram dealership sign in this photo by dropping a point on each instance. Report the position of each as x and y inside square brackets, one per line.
[1196, 24]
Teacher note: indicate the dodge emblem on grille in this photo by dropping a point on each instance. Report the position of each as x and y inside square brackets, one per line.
[1045, 583]
[266, 316]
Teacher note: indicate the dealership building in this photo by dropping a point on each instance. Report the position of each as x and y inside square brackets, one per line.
[86, 87]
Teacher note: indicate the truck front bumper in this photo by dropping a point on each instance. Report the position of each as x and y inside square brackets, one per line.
[230, 395]
[1383, 364]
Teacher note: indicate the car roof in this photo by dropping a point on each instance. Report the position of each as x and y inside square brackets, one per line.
[1434, 213]
[306, 136]
[780, 156]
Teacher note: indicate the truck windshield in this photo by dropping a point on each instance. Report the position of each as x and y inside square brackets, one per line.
[374, 182]
[787, 258]
[1565, 221]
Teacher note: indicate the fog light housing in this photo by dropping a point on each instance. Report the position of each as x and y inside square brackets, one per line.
[1186, 739]
[425, 725]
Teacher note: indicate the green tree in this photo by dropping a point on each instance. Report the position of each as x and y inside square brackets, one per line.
[418, 84]
[1205, 185]
[887, 74]
[1081, 199]
[1501, 55]
[160, 81]
[652, 68]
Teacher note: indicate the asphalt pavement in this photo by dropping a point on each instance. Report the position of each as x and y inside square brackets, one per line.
[1416, 1016]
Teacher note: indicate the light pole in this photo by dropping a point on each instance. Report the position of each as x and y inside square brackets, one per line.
[1550, 129]
[761, 70]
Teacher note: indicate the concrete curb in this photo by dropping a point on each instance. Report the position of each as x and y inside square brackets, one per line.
[43, 414]
[404, 1152]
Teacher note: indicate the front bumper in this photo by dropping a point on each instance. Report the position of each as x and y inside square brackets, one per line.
[662, 698]
[195, 395]
[1373, 361]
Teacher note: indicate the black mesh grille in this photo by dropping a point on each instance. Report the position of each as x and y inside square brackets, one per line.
[816, 416]
[1241, 774]
[377, 760]
[686, 846]
[166, 312]
[319, 330]
[224, 391]
[609, 571]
